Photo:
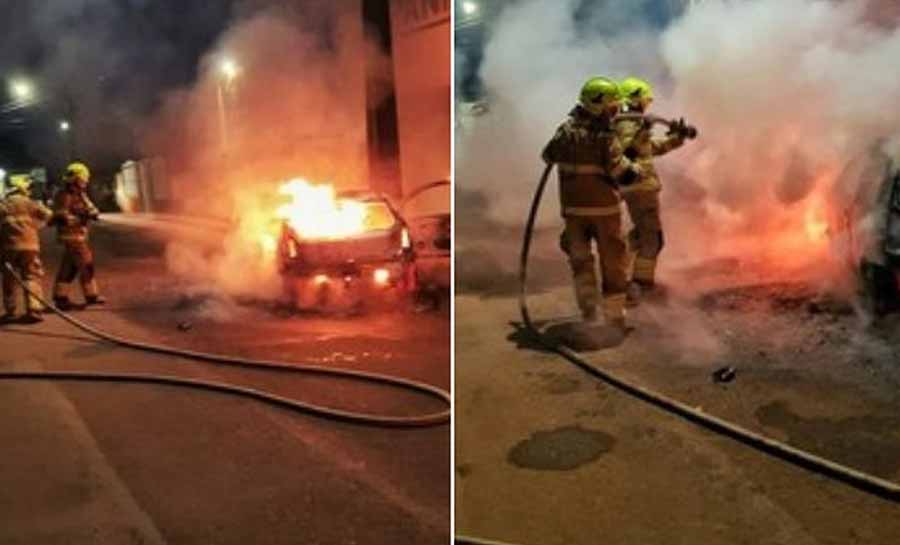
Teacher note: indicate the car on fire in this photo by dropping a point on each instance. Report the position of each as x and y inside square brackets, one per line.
[374, 266]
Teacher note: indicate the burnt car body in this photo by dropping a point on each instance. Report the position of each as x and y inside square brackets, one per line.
[870, 223]
[371, 268]
[431, 235]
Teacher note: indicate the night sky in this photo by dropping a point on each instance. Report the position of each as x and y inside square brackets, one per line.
[102, 64]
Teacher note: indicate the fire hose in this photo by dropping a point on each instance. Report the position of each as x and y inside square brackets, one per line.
[863, 481]
[426, 420]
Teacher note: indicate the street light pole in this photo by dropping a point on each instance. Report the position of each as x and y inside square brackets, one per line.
[223, 129]
[228, 71]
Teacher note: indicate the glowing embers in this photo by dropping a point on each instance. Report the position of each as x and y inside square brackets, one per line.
[315, 213]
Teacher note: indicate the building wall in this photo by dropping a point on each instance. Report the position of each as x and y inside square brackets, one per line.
[420, 32]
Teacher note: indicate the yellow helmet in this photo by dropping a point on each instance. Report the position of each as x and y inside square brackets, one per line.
[598, 94]
[636, 91]
[77, 172]
[20, 182]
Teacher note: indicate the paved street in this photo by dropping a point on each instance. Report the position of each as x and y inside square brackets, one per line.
[546, 454]
[104, 463]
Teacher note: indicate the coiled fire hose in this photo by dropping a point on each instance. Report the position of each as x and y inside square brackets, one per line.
[427, 420]
[869, 483]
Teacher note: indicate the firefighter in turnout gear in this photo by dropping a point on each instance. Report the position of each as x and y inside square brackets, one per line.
[591, 165]
[645, 240]
[20, 220]
[72, 213]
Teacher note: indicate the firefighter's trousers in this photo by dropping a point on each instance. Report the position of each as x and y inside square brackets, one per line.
[606, 231]
[645, 241]
[77, 261]
[27, 264]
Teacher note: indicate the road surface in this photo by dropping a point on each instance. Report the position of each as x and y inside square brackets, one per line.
[123, 464]
[547, 455]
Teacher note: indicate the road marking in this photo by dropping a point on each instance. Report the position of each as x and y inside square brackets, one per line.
[129, 513]
[330, 450]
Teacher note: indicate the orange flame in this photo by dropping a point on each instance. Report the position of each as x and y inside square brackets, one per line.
[815, 225]
[314, 212]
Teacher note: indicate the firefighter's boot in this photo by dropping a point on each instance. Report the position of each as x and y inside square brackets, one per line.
[33, 304]
[62, 301]
[33, 318]
[614, 312]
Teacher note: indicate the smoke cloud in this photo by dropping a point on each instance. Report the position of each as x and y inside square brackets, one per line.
[296, 108]
[786, 94]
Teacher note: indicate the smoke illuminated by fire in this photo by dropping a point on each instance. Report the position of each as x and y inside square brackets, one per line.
[780, 118]
[314, 212]
[226, 140]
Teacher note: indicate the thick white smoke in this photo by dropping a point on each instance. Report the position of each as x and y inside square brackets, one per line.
[297, 108]
[785, 94]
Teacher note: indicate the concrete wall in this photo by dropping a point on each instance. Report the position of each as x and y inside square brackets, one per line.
[421, 49]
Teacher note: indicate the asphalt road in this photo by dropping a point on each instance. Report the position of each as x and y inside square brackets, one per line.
[122, 464]
[547, 455]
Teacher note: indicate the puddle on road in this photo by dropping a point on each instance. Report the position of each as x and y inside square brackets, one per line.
[869, 443]
[562, 449]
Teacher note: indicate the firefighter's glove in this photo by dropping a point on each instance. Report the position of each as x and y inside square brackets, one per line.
[88, 217]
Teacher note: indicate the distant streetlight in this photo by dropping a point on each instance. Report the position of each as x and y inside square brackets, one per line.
[228, 70]
[469, 8]
[64, 125]
[21, 89]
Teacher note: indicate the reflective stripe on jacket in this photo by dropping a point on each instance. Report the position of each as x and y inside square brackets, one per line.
[590, 160]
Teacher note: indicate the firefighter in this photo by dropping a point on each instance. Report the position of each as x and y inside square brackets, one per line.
[591, 166]
[72, 213]
[645, 240]
[20, 220]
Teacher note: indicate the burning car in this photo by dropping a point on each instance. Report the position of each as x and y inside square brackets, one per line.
[341, 251]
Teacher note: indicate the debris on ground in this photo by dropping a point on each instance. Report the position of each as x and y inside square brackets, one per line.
[724, 375]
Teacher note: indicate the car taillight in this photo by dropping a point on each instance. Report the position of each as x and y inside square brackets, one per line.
[381, 276]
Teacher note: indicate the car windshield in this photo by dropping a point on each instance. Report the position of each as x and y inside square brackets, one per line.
[378, 216]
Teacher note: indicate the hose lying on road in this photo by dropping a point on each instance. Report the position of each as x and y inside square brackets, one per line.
[426, 420]
[863, 481]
